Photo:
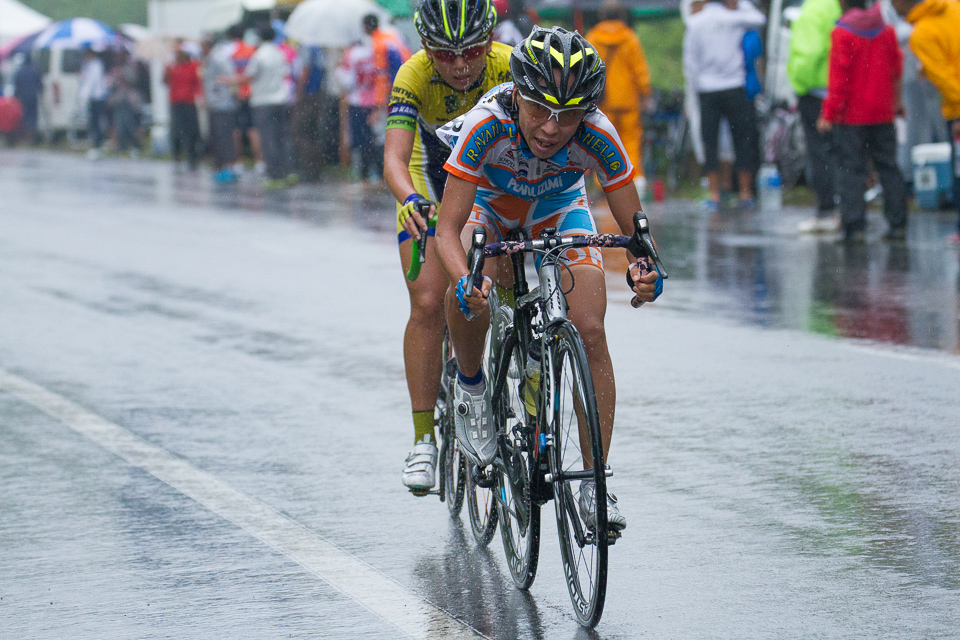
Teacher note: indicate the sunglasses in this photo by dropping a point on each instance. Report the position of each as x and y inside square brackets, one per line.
[447, 56]
[540, 113]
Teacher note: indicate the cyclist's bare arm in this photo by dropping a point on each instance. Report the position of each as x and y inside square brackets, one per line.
[455, 210]
[624, 202]
[397, 149]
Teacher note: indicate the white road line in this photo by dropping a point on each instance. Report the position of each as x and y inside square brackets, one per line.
[413, 616]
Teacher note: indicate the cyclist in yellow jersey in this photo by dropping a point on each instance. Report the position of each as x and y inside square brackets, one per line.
[458, 64]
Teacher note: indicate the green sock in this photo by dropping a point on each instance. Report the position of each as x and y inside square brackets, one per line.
[423, 427]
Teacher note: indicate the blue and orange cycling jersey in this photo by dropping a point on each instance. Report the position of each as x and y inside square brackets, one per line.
[515, 189]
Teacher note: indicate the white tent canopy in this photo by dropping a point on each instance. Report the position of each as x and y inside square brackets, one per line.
[192, 18]
[19, 20]
[331, 23]
[226, 13]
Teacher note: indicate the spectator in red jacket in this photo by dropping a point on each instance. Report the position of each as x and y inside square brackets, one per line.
[863, 95]
[183, 80]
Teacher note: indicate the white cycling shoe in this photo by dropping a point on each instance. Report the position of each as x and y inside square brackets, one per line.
[473, 419]
[420, 471]
[588, 508]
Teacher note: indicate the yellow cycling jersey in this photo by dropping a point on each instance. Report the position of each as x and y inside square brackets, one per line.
[422, 102]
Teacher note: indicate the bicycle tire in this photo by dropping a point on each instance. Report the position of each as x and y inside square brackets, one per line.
[572, 399]
[481, 507]
[518, 512]
[454, 464]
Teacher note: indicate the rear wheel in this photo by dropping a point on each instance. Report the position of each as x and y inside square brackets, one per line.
[453, 466]
[518, 513]
[481, 504]
[575, 456]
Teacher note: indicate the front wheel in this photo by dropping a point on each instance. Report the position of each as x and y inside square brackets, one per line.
[575, 458]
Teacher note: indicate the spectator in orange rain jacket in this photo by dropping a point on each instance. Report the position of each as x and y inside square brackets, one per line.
[628, 79]
[936, 42]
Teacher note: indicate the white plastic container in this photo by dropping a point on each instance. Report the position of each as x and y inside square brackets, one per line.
[770, 188]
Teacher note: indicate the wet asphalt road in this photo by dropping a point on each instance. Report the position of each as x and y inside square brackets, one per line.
[203, 419]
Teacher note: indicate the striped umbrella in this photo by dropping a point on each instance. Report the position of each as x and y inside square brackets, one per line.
[78, 33]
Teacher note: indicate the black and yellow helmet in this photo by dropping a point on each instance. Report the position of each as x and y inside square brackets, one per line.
[535, 61]
[454, 24]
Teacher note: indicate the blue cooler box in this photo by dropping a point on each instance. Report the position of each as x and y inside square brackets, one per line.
[932, 179]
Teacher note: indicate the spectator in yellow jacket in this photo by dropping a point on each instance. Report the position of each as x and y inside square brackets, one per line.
[628, 80]
[936, 42]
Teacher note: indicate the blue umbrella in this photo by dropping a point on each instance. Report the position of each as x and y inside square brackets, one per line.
[77, 33]
[23, 45]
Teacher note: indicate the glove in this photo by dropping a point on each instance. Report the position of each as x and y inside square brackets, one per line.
[409, 206]
[644, 265]
[462, 295]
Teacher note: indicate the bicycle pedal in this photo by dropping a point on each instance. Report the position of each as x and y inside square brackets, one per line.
[481, 479]
[613, 535]
[420, 493]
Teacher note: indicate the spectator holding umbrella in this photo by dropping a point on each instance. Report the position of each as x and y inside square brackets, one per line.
[27, 87]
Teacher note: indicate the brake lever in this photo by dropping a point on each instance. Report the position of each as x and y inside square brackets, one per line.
[475, 262]
[641, 244]
[423, 207]
[420, 246]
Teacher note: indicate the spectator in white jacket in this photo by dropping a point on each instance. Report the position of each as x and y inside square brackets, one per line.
[714, 65]
[92, 95]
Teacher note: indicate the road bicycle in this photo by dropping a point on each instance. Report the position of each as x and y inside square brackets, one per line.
[784, 143]
[544, 407]
[456, 485]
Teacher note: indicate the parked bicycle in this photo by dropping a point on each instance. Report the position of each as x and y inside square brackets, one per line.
[783, 142]
[544, 408]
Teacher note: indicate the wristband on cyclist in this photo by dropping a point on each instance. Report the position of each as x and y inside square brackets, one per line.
[408, 207]
[462, 293]
[644, 265]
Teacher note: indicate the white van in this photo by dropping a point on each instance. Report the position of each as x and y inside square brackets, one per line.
[59, 109]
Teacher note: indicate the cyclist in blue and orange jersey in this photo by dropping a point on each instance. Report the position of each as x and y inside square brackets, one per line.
[458, 64]
[518, 161]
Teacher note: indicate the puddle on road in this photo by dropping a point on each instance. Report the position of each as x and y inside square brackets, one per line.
[754, 269]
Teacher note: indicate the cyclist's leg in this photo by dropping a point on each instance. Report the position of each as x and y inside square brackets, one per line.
[468, 335]
[423, 338]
